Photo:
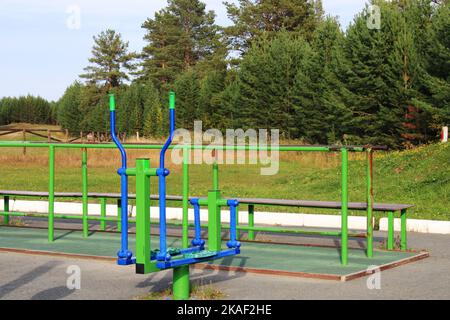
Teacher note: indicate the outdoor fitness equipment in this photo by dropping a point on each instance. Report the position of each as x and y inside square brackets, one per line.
[147, 260]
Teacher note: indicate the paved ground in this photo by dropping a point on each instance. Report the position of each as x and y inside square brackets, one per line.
[25, 276]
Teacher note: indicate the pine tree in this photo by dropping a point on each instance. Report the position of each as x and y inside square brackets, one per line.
[68, 108]
[187, 88]
[111, 61]
[252, 18]
[179, 36]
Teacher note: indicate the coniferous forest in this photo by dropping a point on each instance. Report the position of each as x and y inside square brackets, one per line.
[281, 64]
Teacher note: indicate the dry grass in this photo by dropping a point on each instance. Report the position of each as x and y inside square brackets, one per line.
[199, 291]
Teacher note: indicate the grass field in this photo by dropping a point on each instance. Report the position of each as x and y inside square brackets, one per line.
[419, 176]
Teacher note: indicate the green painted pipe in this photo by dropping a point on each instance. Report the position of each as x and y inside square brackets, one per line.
[369, 194]
[403, 237]
[6, 209]
[185, 193]
[103, 202]
[215, 176]
[11, 144]
[84, 178]
[51, 193]
[181, 285]
[251, 221]
[344, 208]
[390, 240]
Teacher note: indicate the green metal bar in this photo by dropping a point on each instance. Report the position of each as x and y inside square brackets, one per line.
[84, 175]
[251, 221]
[390, 239]
[344, 208]
[181, 285]
[143, 248]
[215, 176]
[185, 193]
[214, 234]
[51, 194]
[11, 144]
[56, 216]
[6, 209]
[369, 179]
[403, 240]
[103, 202]
[119, 215]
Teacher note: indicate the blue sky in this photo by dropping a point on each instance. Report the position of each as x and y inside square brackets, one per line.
[41, 55]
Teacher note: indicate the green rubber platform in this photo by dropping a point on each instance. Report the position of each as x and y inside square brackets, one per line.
[273, 258]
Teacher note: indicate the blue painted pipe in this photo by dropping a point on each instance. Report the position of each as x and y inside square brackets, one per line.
[162, 173]
[124, 256]
[233, 243]
[197, 241]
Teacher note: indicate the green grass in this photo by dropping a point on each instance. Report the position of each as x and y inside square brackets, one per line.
[420, 177]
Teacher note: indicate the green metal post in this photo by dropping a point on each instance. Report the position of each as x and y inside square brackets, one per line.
[142, 217]
[119, 215]
[103, 213]
[51, 194]
[251, 221]
[185, 193]
[84, 174]
[6, 209]
[344, 208]
[215, 176]
[181, 288]
[214, 227]
[403, 240]
[369, 178]
[390, 239]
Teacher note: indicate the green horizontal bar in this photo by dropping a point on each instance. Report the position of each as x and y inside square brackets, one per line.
[21, 144]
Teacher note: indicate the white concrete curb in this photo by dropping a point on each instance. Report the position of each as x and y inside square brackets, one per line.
[266, 218]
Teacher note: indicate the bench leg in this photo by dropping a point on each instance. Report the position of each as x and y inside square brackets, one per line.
[390, 239]
[251, 221]
[403, 230]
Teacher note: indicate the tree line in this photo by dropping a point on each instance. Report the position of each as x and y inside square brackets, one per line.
[281, 64]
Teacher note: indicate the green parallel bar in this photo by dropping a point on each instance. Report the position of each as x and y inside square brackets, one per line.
[181, 285]
[84, 176]
[11, 144]
[119, 215]
[103, 202]
[185, 193]
[344, 208]
[143, 248]
[51, 194]
[56, 216]
[214, 234]
[215, 176]
[6, 209]
[403, 238]
[251, 221]
[390, 239]
[369, 179]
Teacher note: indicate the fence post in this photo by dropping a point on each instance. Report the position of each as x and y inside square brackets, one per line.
[51, 194]
[185, 193]
[103, 214]
[390, 240]
[85, 192]
[369, 178]
[251, 221]
[6, 209]
[344, 208]
[403, 239]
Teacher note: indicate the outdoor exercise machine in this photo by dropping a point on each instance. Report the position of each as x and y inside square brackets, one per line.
[148, 260]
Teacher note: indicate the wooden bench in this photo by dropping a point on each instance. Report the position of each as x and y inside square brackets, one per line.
[391, 209]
